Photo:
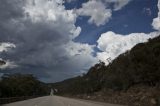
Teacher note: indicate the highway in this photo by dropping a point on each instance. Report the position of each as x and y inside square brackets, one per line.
[57, 101]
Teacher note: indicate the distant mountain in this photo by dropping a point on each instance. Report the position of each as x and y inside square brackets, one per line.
[139, 66]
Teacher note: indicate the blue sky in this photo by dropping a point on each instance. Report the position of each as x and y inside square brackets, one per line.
[132, 18]
[59, 39]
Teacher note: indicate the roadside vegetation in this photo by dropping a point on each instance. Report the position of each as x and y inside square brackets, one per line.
[133, 72]
[18, 85]
[133, 78]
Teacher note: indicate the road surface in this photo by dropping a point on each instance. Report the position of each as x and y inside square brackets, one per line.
[57, 101]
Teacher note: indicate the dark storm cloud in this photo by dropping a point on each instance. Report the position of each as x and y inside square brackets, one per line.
[40, 46]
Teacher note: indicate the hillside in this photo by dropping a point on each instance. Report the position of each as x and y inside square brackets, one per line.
[133, 78]
[20, 85]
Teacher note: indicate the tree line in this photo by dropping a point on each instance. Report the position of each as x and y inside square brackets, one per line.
[17, 85]
[140, 65]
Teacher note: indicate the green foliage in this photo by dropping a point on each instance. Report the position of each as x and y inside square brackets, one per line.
[141, 65]
[16, 85]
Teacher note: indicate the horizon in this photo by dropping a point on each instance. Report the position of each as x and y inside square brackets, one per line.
[58, 39]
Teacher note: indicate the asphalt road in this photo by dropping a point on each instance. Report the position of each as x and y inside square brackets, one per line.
[57, 101]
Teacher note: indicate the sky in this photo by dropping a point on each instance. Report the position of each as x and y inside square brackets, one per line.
[59, 39]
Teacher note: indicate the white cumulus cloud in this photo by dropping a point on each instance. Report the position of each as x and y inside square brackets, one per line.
[8, 64]
[44, 33]
[97, 11]
[118, 4]
[6, 46]
[156, 21]
[54, 14]
[112, 44]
